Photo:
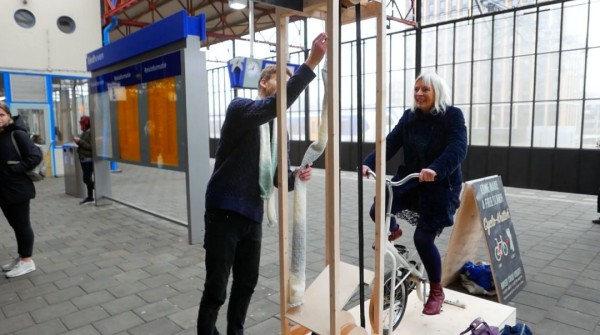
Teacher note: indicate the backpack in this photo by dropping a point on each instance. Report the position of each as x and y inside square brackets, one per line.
[39, 171]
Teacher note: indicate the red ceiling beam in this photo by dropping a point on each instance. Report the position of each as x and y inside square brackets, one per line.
[120, 5]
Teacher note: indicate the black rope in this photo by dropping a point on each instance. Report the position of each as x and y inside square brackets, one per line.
[359, 126]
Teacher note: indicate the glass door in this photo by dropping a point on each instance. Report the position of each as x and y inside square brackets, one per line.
[37, 122]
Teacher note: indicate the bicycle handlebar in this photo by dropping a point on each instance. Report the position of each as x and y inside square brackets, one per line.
[398, 182]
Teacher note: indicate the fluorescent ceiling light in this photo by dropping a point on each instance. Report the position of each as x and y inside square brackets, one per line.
[237, 4]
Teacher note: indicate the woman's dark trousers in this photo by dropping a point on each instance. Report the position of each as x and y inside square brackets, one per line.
[232, 242]
[17, 216]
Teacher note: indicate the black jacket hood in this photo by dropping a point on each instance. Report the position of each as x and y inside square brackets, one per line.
[18, 124]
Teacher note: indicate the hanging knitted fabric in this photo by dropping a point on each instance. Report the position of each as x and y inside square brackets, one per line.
[267, 164]
[297, 279]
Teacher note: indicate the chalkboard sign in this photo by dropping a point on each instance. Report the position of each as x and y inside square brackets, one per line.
[507, 268]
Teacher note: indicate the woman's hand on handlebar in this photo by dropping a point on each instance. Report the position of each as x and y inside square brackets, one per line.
[427, 175]
[365, 171]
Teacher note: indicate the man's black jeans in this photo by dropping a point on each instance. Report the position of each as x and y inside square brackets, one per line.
[231, 241]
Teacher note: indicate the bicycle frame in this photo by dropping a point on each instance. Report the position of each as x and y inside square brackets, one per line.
[394, 254]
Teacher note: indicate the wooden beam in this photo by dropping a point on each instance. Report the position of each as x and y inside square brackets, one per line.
[332, 164]
[282, 157]
[380, 134]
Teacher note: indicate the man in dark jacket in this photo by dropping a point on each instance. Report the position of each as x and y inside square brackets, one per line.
[16, 189]
[236, 192]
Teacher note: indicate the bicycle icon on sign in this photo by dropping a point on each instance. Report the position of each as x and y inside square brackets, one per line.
[502, 245]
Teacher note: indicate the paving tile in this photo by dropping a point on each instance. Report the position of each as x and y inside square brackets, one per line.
[123, 304]
[52, 327]
[24, 306]
[161, 326]
[156, 310]
[53, 311]
[84, 317]
[118, 323]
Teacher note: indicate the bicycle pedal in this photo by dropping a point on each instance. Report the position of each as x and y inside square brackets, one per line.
[402, 250]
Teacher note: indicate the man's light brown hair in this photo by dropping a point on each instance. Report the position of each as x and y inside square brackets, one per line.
[266, 74]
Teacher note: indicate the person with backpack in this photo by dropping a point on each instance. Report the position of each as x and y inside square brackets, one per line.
[16, 188]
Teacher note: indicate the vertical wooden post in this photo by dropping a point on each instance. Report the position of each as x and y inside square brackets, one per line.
[282, 196]
[332, 164]
[380, 135]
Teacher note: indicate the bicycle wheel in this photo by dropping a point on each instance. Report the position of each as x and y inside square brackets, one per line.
[397, 312]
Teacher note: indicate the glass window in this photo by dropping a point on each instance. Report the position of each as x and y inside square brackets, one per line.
[24, 18]
[544, 130]
[524, 38]
[549, 29]
[466, 109]
[70, 99]
[369, 56]
[594, 37]
[482, 44]
[523, 78]
[480, 127]
[429, 48]
[521, 125]
[410, 51]
[409, 76]
[592, 86]
[500, 125]
[463, 41]
[65, 24]
[481, 81]
[503, 35]
[445, 71]
[502, 76]
[569, 124]
[575, 24]
[370, 91]
[445, 44]
[462, 84]
[572, 68]
[397, 89]
[546, 83]
[591, 124]
[396, 46]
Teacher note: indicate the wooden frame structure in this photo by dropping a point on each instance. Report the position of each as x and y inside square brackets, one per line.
[338, 280]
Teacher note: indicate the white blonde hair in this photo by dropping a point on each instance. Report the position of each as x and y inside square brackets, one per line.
[441, 92]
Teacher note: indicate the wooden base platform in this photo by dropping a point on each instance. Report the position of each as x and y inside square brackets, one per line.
[453, 319]
[313, 314]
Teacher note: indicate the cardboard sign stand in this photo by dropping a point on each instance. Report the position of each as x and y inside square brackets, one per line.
[484, 213]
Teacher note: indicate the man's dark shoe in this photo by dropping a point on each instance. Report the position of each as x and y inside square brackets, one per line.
[597, 221]
[86, 200]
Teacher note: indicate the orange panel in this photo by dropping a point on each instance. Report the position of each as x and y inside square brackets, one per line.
[162, 122]
[129, 124]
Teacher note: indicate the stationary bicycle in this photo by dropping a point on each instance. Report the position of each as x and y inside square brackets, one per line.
[406, 274]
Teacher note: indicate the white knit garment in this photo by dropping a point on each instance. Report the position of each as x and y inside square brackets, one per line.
[297, 281]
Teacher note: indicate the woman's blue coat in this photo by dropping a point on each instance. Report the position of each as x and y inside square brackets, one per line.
[437, 142]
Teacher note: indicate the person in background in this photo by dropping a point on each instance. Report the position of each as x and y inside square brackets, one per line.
[236, 191]
[84, 150]
[16, 189]
[597, 221]
[434, 138]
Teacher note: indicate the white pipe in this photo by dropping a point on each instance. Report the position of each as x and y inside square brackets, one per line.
[251, 26]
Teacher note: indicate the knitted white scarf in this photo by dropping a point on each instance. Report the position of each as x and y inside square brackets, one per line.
[297, 279]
